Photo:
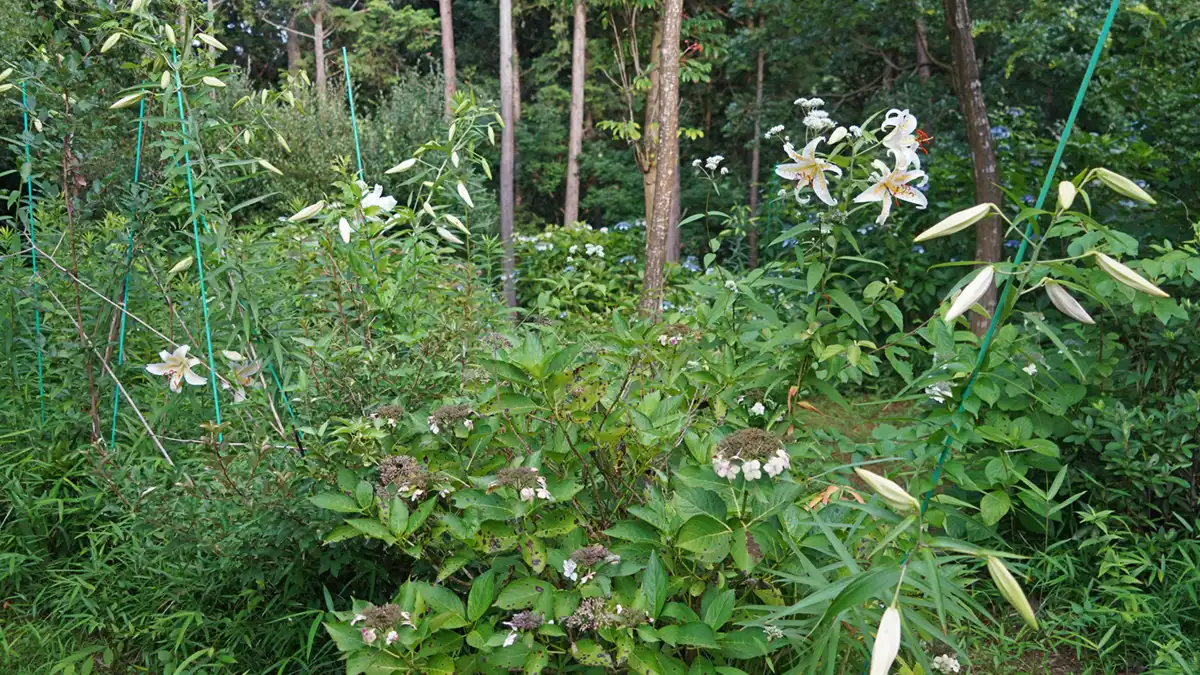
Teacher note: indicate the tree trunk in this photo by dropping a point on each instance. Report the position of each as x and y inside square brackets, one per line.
[755, 154]
[507, 151]
[923, 59]
[293, 45]
[650, 125]
[575, 141]
[979, 138]
[668, 155]
[518, 197]
[449, 72]
[674, 236]
[318, 19]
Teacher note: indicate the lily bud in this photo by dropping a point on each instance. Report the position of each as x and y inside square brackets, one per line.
[957, 222]
[1128, 277]
[1067, 304]
[837, 135]
[1066, 195]
[210, 41]
[212, 82]
[402, 166]
[180, 266]
[138, 5]
[126, 101]
[888, 490]
[110, 42]
[232, 355]
[282, 142]
[164, 82]
[466, 196]
[344, 230]
[269, 167]
[457, 223]
[4, 75]
[307, 212]
[448, 235]
[169, 32]
[1122, 185]
[1011, 590]
[972, 293]
[887, 642]
[428, 208]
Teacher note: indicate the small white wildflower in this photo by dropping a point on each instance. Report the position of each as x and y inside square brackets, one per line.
[368, 635]
[542, 492]
[357, 619]
[406, 620]
[391, 637]
[724, 171]
[1031, 369]
[946, 663]
[772, 632]
[696, 162]
[775, 130]
[939, 392]
[855, 130]
[573, 250]
[752, 470]
[512, 637]
[433, 425]
[468, 424]
[800, 101]
[782, 193]
[813, 102]
[731, 285]
[758, 409]
[604, 230]
[527, 494]
[569, 570]
[416, 494]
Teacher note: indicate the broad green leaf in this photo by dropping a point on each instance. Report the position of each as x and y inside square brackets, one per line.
[335, 502]
[706, 537]
[522, 593]
[483, 592]
[654, 585]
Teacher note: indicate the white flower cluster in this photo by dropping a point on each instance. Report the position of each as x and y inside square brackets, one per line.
[541, 492]
[939, 392]
[595, 250]
[946, 664]
[713, 162]
[809, 103]
[752, 469]
[818, 121]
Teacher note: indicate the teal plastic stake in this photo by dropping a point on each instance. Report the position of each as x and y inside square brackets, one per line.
[137, 166]
[212, 368]
[37, 312]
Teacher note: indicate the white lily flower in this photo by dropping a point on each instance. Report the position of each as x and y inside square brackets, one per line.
[957, 222]
[971, 293]
[376, 198]
[177, 366]
[901, 142]
[243, 375]
[893, 184]
[1067, 304]
[887, 642]
[808, 170]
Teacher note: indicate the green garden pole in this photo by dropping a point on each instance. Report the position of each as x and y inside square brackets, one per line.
[986, 343]
[137, 165]
[212, 369]
[37, 312]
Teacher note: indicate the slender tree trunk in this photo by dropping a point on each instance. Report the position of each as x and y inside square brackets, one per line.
[507, 150]
[674, 236]
[575, 138]
[923, 59]
[518, 196]
[293, 45]
[449, 71]
[755, 154]
[668, 150]
[650, 124]
[318, 19]
[979, 138]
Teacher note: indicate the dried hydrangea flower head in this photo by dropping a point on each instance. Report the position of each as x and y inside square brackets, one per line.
[595, 613]
[382, 617]
[676, 333]
[401, 474]
[390, 413]
[526, 480]
[447, 416]
[750, 452]
[593, 555]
